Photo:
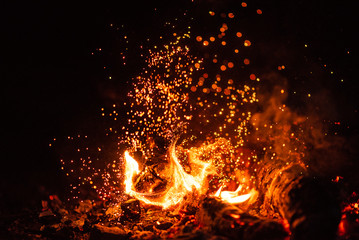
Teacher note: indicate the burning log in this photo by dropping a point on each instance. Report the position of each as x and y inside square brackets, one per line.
[227, 220]
[308, 204]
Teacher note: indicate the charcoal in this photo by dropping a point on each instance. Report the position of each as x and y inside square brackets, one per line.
[100, 232]
[164, 226]
[79, 223]
[131, 210]
[84, 206]
[113, 210]
[199, 235]
[148, 227]
[188, 228]
[306, 204]
[143, 235]
[48, 217]
[65, 233]
[56, 204]
[47, 230]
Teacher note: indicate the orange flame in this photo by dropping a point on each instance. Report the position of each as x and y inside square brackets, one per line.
[233, 196]
[131, 168]
[180, 183]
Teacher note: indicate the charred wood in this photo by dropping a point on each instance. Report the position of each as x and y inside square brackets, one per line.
[100, 232]
[227, 220]
[308, 204]
[131, 210]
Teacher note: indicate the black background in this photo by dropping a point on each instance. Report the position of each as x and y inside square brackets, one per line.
[51, 84]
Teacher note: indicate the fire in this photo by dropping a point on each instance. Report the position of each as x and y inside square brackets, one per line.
[180, 183]
[233, 196]
[130, 171]
[185, 88]
[200, 89]
[184, 93]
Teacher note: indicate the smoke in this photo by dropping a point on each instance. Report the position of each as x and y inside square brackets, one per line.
[303, 131]
[276, 126]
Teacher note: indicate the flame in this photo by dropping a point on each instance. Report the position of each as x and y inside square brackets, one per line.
[233, 196]
[180, 183]
[131, 168]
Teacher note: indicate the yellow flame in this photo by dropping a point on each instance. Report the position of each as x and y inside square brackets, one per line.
[179, 184]
[233, 196]
[131, 168]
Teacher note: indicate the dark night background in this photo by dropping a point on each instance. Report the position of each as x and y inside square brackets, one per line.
[53, 87]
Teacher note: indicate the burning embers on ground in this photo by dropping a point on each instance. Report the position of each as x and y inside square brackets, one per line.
[203, 153]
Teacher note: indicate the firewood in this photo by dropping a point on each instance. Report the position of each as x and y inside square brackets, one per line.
[308, 204]
[227, 220]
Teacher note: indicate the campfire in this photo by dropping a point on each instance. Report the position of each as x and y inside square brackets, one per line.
[204, 150]
[180, 182]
